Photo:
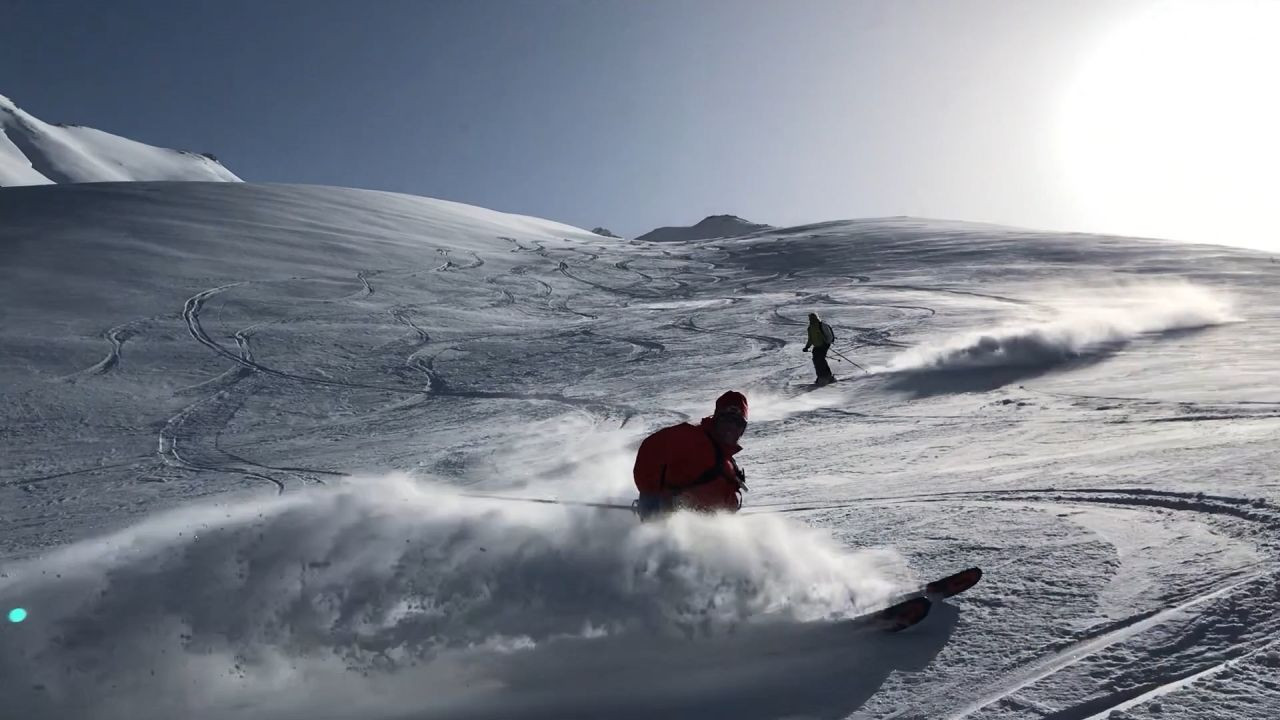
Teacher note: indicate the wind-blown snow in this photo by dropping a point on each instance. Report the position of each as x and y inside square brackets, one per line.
[246, 430]
[390, 575]
[33, 152]
[1085, 325]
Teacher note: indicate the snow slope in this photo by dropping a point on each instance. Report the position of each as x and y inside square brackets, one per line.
[33, 152]
[246, 428]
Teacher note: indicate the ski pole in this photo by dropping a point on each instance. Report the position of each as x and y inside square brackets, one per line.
[837, 352]
[546, 501]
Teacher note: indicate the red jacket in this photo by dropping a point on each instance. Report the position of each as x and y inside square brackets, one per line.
[671, 461]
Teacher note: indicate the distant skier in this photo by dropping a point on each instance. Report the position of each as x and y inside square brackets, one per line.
[691, 467]
[820, 338]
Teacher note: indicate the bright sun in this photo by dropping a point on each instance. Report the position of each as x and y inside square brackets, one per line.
[1171, 128]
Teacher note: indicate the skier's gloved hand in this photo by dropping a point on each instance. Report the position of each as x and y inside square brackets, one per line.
[649, 506]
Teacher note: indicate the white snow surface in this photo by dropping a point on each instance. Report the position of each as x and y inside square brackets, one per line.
[246, 429]
[33, 152]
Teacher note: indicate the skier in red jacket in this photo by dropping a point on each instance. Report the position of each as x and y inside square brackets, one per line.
[691, 466]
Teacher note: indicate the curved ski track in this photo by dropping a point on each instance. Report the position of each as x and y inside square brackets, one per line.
[437, 385]
[1249, 585]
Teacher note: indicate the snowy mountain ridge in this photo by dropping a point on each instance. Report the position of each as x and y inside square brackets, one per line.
[34, 152]
[712, 226]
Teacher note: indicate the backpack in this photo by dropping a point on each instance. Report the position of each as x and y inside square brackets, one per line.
[828, 333]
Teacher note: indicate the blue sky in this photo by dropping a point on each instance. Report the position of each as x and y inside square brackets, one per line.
[626, 114]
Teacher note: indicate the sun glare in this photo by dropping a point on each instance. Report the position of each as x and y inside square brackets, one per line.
[1171, 126]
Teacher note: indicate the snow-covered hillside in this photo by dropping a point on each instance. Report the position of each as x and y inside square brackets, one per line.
[245, 429]
[33, 152]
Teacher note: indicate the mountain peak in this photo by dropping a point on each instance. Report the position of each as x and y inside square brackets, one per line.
[717, 219]
[34, 152]
[712, 226]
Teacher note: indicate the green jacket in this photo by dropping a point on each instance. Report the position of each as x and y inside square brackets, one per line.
[821, 334]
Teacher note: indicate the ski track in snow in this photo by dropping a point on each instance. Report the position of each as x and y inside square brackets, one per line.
[117, 337]
[535, 360]
[1248, 584]
[1059, 660]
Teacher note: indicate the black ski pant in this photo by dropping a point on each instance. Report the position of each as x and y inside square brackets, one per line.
[820, 365]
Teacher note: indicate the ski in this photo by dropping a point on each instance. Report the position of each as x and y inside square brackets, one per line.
[953, 584]
[895, 618]
[912, 607]
[903, 615]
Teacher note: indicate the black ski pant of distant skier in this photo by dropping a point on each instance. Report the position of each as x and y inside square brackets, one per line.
[820, 365]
